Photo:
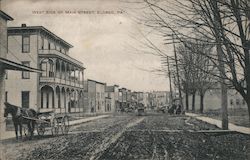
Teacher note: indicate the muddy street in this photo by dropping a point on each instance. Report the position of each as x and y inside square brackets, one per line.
[155, 136]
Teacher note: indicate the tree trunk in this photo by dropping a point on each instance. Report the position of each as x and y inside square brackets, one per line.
[193, 102]
[248, 107]
[201, 103]
[187, 102]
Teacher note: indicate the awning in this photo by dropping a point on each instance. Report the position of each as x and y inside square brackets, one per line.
[10, 65]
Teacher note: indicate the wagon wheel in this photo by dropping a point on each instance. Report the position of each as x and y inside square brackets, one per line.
[40, 129]
[54, 127]
[65, 125]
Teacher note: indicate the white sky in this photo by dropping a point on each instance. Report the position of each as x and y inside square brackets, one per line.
[99, 40]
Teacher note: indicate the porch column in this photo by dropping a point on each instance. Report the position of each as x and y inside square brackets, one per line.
[78, 101]
[65, 72]
[74, 76]
[60, 70]
[82, 79]
[54, 100]
[79, 76]
[69, 73]
[54, 67]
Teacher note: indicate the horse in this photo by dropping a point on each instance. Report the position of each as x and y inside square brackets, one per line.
[18, 117]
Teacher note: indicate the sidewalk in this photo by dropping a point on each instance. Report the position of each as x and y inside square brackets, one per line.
[11, 134]
[86, 119]
[218, 123]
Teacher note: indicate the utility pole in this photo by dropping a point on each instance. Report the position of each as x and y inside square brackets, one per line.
[170, 85]
[178, 77]
[221, 66]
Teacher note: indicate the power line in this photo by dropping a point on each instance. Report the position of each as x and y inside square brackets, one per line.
[9, 51]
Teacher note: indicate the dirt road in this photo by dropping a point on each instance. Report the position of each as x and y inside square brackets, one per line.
[155, 136]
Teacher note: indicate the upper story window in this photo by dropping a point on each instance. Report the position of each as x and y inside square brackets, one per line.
[25, 43]
[26, 75]
[44, 69]
[42, 43]
[48, 45]
[51, 73]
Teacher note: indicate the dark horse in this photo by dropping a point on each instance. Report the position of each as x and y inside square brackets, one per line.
[18, 117]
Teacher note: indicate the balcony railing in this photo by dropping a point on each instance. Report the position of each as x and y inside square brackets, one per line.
[61, 81]
[57, 53]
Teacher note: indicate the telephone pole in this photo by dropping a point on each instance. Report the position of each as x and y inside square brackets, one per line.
[170, 85]
[221, 66]
[178, 77]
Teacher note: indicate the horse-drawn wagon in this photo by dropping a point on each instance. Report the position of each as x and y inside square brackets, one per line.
[52, 121]
[41, 121]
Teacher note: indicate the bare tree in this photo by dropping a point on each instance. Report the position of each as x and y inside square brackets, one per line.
[225, 23]
[196, 69]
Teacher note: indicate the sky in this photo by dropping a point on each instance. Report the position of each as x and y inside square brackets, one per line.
[102, 38]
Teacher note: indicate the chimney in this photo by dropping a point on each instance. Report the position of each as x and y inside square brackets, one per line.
[23, 25]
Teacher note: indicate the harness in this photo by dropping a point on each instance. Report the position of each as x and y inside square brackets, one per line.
[18, 113]
[22, 112]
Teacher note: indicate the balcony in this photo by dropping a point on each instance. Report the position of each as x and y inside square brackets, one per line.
[61, 81]
[56, 53]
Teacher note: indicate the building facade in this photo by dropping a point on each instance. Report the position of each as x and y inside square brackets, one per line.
[4, 18]
[60, 85]
[113, 93]
[212, 100]
[158, 99]
[95, 96]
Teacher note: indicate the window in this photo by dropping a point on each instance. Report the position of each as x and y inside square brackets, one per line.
[51, 73]
[25, 99]
[26, 75]
[26, 44]
[6, 96]
[42, 43]
[48, 46]
[44, 69]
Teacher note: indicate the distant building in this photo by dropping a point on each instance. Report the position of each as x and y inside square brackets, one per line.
[107, 104]
[212, 100]
[113, 93]
[59, 87]
[158, 98]
[95, 96]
